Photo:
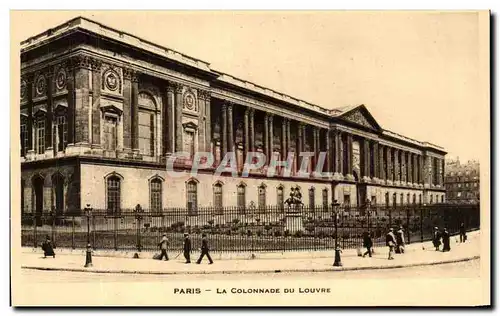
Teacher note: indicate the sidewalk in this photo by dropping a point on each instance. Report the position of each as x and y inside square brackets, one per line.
[416, 255]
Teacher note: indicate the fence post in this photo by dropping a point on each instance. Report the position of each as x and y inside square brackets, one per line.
[73, 232]
[53, 227]
[408, 224]
[421, 224]
[93, 231]
[138, 216]
[34, 231]
[115, 230]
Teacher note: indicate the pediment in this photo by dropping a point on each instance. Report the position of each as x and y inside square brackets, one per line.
[361, 116]
[111, 108]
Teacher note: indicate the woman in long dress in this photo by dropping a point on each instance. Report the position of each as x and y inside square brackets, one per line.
[446, 240]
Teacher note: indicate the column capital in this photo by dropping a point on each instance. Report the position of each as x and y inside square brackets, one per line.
[203, 94]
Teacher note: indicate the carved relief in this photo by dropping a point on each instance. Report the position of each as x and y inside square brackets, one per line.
[40, 85]
[111, 81]
[61, 78]
[358, 118]
[189, 101]
[24, 88]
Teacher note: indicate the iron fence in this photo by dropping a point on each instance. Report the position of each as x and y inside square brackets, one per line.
[273, 228]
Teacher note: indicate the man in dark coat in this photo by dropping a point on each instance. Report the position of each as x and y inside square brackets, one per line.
[436, 238]
[187, 248]
[204, 249]
[400, 240]
[463, 236]
[390, 241]
[368, 244]
[47, 248]
[446, 240]
[163, 247]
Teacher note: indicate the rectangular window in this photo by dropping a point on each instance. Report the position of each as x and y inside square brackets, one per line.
[325, 198]
[218, 198]
[262, 197]
[113, 195]
[110, 138]
[347, 200]
[189, 143]
[155, 193]
[241, 199]
[40, 136]
[312, 203]
[24, 138]
[62, 132]
[146, 133]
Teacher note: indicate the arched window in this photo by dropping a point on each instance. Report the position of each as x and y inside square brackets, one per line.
[402, 199]
[442, 198]
[325, 198]
[262, 196]
[113, 184]
[414, 199]
[147, 115]
[387, 199]
[192, 196]
[60, 128]
[280, 197]
[437, 198]
[155, 195]
[241, 197]
[431, 200]
[312, 203]
[58, 187]
[394, 200]
[408, 199]
[420, 199]
[218, 204]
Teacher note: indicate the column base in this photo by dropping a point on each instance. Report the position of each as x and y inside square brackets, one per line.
[337, 176]
[388, 182]
[30, 155]
[366, 179]
[49, 152]
[349, 177]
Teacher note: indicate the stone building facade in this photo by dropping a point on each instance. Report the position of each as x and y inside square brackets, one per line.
[462, 181]
[102, 111]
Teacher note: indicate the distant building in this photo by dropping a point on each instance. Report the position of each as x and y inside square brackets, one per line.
[462, 181]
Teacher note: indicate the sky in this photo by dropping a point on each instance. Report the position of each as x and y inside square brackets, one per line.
[420, 74]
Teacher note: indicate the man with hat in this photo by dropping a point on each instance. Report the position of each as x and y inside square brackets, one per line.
[390, 241]
[436, 238]
[187, 248]
[163, 246]
[204, 249]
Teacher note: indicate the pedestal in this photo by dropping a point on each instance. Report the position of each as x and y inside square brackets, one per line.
[294, 221]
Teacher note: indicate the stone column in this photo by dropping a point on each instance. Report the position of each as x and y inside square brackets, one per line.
[328, 152]
[288, 142]
[135, 114]
[96, 102]
[366, 161]
[271, 138]
[178, 118]
[29, 124]
[376, 161]
[49, 149]
[300, 147]
[390, 167]
[339, 157]
[442, 171]
[349, 157]
[230, 130]
[252, 129]
[408, 169]
[421, 169]
[171, 116]
[266, 136]
[315, 147]
[397, 175]
[381, 166]
[224, 130]
[246, 134]
[283, 138]
[208, 121]
[127, 106]
[415, 168]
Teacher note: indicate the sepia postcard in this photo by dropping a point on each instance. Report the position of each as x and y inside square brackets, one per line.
[250, 158]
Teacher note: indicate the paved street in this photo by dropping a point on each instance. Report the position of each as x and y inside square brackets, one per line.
[467, 269]
[415, 255]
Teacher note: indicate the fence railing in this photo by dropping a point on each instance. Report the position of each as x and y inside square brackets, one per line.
[273, 228]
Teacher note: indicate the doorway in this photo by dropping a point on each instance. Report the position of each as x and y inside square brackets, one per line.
[38, 192]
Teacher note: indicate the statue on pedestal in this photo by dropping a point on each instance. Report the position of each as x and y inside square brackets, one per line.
[295, 198]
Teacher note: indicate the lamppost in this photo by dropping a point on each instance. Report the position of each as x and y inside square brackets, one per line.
[88, 257]
[138, 216]
[368, 213]
[88, 213]
[337, 262]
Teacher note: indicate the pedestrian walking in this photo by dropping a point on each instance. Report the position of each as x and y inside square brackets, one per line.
[446, 240]
[187, 248]
[436, 238]
[47, 248]
[204, 249]
[163, 246]
[463, 236]
[400, 240]
[368, 244]
[390, 241]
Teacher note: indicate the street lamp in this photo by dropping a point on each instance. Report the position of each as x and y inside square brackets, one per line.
[368, 212]
[337, 262]
[88, 212]
[138, 215]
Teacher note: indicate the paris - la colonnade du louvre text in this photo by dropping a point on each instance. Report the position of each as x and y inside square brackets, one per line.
[103, 111]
